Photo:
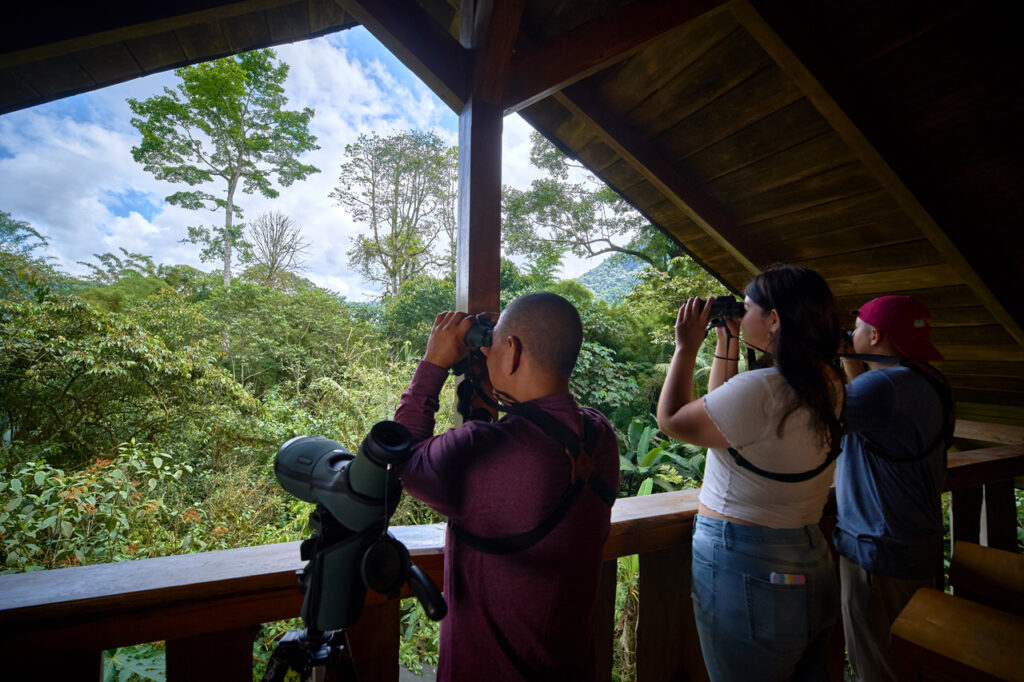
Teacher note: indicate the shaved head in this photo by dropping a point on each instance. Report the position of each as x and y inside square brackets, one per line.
[549, 328]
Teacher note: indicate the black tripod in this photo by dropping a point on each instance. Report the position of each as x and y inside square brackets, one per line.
[316, 656]
[335, 596]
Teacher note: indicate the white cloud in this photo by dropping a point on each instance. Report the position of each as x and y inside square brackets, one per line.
[64, 165]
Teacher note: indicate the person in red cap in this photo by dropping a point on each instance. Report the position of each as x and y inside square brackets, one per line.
[890, 475]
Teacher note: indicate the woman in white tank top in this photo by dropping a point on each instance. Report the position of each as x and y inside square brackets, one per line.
[764, 593]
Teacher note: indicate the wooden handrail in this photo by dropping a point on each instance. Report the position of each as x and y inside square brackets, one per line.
[91, 608]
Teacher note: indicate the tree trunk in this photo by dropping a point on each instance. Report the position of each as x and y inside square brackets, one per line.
[228, 215]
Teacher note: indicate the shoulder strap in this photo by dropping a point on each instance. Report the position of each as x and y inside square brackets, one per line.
[583, 475]
[938, 382]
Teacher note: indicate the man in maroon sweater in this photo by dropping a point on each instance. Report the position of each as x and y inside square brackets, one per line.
[526, 614]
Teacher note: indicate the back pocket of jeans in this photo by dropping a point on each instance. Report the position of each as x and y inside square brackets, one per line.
[778, 614]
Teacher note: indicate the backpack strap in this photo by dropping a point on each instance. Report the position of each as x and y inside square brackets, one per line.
[583, 475]
[939, 384]
[745, 463]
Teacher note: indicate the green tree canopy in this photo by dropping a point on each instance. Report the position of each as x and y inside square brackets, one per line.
[225, 122]
[402, 188]
[586, 218]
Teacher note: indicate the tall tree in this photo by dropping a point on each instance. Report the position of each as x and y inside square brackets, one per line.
[277, 246]
[225, 122]
[585, 217]
[21, 272]
[402, 188]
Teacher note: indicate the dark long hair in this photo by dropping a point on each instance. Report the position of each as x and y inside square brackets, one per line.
[806, 341]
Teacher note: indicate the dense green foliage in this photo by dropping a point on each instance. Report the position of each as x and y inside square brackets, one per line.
[143, 404]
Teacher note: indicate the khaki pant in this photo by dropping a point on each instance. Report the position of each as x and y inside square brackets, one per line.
[870, 604]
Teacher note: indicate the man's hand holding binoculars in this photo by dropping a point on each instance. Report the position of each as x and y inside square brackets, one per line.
[447, 343]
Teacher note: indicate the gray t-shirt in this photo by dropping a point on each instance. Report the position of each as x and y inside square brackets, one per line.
[747, 410]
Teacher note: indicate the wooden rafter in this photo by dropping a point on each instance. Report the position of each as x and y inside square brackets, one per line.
[540, 70]
[702, 209]
[426, 49]
[756, 25]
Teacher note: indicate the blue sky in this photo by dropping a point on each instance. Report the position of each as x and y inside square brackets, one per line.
[67, 170]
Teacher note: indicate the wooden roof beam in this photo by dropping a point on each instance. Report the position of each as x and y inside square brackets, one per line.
[702, 209]
[423, 46]
[540, 70]
[822, 99]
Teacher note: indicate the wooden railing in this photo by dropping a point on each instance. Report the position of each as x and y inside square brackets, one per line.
[208, 607]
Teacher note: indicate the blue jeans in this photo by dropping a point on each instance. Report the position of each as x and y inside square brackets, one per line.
[754, 627]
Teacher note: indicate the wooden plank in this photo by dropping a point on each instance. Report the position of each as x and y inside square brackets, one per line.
[804, 160]
[942, 637]
[108, 64]
[767, 37]
[755, 98]
[324, 14]
[973, 468]
[989, 576]
[424, 47]
[1002, 414]
[994, 335]
[626, 84]
[883, 283]
[915, 254]
[667, 645]
[743, 126]
[824, 188]
[288, 22]
[841, 212]
[246, 31]
[200, 41]
[712, 218]
[722, 68]
[542, 69]
[981, 368]
[133, 31]
[224, 656]
[886, 232]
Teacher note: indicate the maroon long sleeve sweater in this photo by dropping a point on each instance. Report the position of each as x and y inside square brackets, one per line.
[526, 615]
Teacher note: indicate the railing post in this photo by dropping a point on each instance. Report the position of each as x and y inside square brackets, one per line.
[224, 656]
[667, 646]
[999, 523]
[373, 642]
[965, 514]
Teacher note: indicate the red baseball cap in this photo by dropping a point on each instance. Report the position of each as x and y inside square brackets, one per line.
[906, 321]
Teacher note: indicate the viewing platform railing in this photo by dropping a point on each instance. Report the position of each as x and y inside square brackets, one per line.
[208, 607]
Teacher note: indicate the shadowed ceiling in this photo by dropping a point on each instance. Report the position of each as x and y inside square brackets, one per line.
[873, 141]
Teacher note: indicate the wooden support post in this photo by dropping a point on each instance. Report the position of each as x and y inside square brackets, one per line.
[224, 656]
[1000, 519]
[489, 30]
[604, 622]
[667, 646]
[373, 642]
[965, 514]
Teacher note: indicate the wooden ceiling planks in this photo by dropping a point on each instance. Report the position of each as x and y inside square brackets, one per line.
[872, 141]
[129, 40]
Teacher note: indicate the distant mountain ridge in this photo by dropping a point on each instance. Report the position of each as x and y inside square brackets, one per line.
[613, 278]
